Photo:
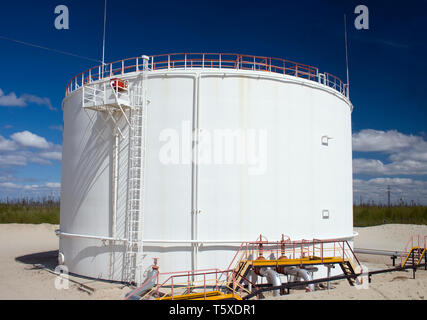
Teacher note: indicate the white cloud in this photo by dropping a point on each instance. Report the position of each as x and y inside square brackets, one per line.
[407, 154]
[389, 181]
[26, 147]
[21, 149]
[9, 185]
[29, 98]
[13, 160]
[416, 152]
[15, 190]
[55, 185]
[402, 155]
[53, 155]
[369, 140]
[368, 166]
[47, 185]
[377, 167]
[7, 145]
[39, 160]
[28, 139]
[12, 100]
[404, 189]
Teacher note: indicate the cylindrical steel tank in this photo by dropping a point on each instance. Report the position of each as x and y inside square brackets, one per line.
[271, 154]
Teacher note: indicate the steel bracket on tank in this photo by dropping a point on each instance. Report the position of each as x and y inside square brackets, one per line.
[325, 140]
[322, 78]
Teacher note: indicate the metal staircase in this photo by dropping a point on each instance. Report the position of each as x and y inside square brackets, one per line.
[414, 257]
[236, 279]
[415, 251]
[348, 270]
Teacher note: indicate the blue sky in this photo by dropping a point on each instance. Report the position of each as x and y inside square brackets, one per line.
[387, 70]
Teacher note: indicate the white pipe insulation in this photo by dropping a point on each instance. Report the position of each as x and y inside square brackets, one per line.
[300, 273]
[272, 277]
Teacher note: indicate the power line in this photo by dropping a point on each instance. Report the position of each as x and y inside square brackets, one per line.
[48, 49]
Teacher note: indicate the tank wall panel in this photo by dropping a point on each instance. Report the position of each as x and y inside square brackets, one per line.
[85, 194]
[167, 199]
[302, 176]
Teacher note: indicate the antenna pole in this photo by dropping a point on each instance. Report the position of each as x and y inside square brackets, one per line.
[103, 37]
[346, 56]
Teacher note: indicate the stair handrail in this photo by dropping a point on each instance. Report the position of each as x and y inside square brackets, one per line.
[172, 275]
[407, 250]
[235, 256]
[232, 278]
[204, 286]
[350, 258]
[422, 253]
[235, 284]
[353, 254]
[142, 285]
[193, 284]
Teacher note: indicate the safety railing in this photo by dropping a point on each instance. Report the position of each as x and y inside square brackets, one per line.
[321, 250]
[203, 281]
[414, 241]
[190, 282]
[147, 281]
[188, 61]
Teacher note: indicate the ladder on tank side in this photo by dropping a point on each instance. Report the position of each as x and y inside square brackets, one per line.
[112, 100]
[136, 164]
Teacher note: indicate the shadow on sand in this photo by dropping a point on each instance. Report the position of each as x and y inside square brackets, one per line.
[48, 259]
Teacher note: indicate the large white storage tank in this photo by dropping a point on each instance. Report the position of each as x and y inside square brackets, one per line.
[271, 154]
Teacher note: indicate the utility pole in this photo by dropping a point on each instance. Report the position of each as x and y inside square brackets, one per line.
[388, 195]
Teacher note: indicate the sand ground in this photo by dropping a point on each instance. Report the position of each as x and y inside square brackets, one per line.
[24, 248]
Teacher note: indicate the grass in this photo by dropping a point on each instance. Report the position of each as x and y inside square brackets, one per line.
[29, 213]
[364, 216]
